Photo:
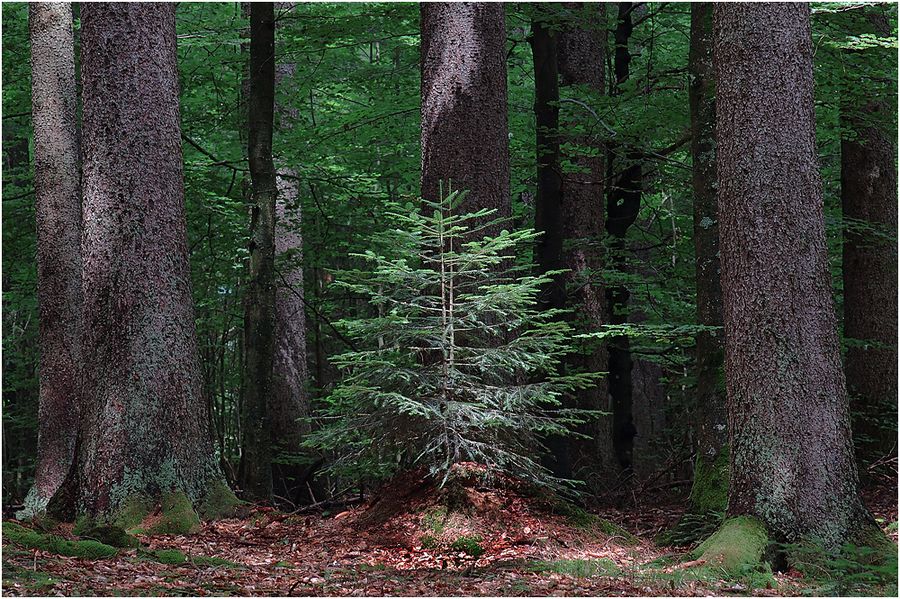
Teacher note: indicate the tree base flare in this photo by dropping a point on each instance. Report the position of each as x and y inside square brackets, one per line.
[737, 547]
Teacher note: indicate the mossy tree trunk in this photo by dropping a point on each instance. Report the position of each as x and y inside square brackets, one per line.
[792, 458]
[582, 56]
[465, 133]
[145, 432]
[709, 492]
[57, 181]
[259, 301]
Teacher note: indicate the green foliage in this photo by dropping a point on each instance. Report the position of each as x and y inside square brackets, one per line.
[456, 363]
[15, 533]
[851, 570]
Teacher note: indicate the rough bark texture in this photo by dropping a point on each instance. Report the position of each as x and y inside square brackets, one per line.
[465, 134]
[792, 462]
[289, 401]
[57, 181]
[712, 426]
[869, 199]
[582, 56]
[259, 314]
[145, 429]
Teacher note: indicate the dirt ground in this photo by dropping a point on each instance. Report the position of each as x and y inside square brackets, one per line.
[493, 542]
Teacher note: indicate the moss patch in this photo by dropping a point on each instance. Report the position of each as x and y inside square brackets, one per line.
[132, 512]
[219, 502]
[470, 545]
[709, 493]
[737, 547]
[110, 535]
[434, 519]
[37, 583]
[31, 539]
[579, 568]
[178, 515]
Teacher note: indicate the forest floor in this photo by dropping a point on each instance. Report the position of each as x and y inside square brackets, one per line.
[407, 543]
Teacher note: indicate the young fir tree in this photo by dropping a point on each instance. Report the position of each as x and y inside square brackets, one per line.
[457, 363]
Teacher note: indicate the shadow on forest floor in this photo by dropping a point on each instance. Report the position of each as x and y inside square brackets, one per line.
[414, 551]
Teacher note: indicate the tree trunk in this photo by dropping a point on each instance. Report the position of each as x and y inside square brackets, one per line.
[582, 56]
[465, 136]
[289, 402]
[57, 182]
[710, 489]
[792, 463]
[259, 315]
[145, 432]
[622, 207]
[869, 200]
[547, 202]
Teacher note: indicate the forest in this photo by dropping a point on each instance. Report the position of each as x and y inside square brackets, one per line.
[449, 299]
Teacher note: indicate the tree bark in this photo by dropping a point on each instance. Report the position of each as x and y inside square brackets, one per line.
[792, 462]
[582, 56]
[710, 487]
[465, 135]
[289, 402]
[259, 315]
[57, 181]
[145, 431]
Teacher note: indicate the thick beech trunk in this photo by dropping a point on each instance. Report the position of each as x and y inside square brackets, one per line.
[792, 462]
[57, 181]
[145, 430]
[465, 135]
[259, 306]
[709, 492]
[582, 56]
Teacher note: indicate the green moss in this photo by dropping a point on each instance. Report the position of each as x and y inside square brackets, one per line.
[31, 539]
[172, 557]
[892, 527]
[434, 519]
[35, 582]
[111, 535]
[578, 567]
[709, 493]
[736, 547]
[178, 515]
[132, 512]
[428, 542]
[219, 502]
[470, 545]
